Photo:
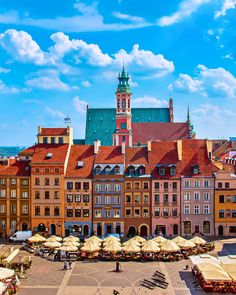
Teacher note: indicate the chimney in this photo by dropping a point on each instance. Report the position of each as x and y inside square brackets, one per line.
[179, 149]
[123, 148]
[97, 144]
[149, 145]
[39, 130]
[209, 149]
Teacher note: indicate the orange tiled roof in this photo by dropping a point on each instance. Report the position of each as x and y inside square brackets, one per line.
[166, 153]
[84, 153]
[39, 153]
[109, 155]
[195, 152]
[137, 155]
[53, 131]
[15, 168]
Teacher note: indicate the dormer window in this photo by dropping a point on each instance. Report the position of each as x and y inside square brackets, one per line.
[98, 170]
[49, 155]
[195, 169]
[107, 169]
[131, 170]
[162, 171]
[172, 170]
[141, 170]
[116, 169]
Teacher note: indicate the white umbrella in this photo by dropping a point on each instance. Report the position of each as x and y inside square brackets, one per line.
[36, 239]
[94, 238]
[90, 246]
[54, 238]
[159, 239]
[131, 246]
[112, 248]
[169, 246]
[71, 243]
[6, 273]
[150, 247]
[186, 244]
[198, 241]
[111, 238]
[138, 239]
[71, 238]
[178, 239]
[52, 244]
[68, 248]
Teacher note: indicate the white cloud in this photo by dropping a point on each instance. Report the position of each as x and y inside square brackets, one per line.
[186, 8]
[86, 83]
[186, 83]
[149, 101]
[145, 59]
[55, 113]
[9, 89]
[4, 70]
[47, 79]
[122, 16]
[208, 82]
[227, 5]
[22, 47]
[80, 105]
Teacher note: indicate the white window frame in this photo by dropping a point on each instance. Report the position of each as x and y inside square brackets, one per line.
[186, 209]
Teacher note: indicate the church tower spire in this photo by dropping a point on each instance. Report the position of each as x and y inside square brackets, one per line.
[123, 133]
[191, 131]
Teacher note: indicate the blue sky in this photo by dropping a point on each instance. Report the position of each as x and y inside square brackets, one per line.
[58, 56]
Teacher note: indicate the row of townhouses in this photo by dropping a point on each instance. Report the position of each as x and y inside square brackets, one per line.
[168, 187]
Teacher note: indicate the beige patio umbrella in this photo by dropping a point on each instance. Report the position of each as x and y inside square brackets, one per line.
[52, 244]
[54, 238]
[150, 247]
[185, 244]
[231, 270]
[131, 247]
[91, 246]
[68, 248]
[6, 273]
[112, 248]
[213, 272]
[71, 243]
[159, 239]
[94, 238]
[131, 241]
[71, 238]
[36, 239]
[169, 246]
[198, 241]
[111, 242]
[178, 239]
[111, 238]
[3, 288]
[138, 239]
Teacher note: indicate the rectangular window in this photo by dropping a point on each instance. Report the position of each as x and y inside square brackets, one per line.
[57, 170]
[162, 171]
[78, 185]
[174, 212]
[98, 213]
[2, 209]
[196, 183]
[186, 196]
[136, 185]
[221, 213]
[206, 209]
[227, 185]
[77, 198]
[56, 195]
[166, 185]
[37, 210]
[196, 196]
[69, 185]
[206, 183]
[117, 187]
[46, 181]
[13, 181]
[47, 195]
[127, 212]
[53, 140]
[98, 187]
[56, 181]
[136, 212]
[97, 200]
[220, 185]
[196, 209]
[85, 212]
[232, 229]
[77, 212]
[3, 193]
[233, 213]
[86, 198]
[174, 198]
[206, 196]
[187, 183]
[2, 181]
[157, 198]
[128, 185]
[123, 126]
[173, 171]
[145, 185]
[47, 211]
[69, 212]
[136, 199]
[86, 186]
[37, 181]
[24, 182]
[165, 212]
[45, 140]
[56, 211]
[69, 198]
[165, 199]
[128, 199]
[234, 199]
[108, 213]
[221, 198]
[13, 193]
[157, 185]
[3, 224]
[174, 185]
[107, 187]
[13, 208]
[61, 140]
[145, 199]
[116, 200]
[186, 209]
[157, 212]
[25, 195]
[116, 213]
[107, 200]
[145, 212]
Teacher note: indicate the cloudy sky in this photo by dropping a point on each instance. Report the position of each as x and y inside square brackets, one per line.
[58, 56]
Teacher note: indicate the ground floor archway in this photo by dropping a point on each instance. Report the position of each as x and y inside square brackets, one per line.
[41, 227]
[99, 230]
[118, 229]
[143, 230]
[187, 227]
[24, 226]
[160, 230]
[220, 230]
[86, 230]
[175, 229]
[52, 229]
[132, 231]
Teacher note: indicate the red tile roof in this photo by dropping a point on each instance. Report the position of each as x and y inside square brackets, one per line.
[138, 156]
[39, 153]
[165, 153]
[84, 153]
[15, 168]
[53, 131]
[143, 132]
[195, 152]
[109, 155]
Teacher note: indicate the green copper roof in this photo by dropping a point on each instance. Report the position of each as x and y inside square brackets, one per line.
[101, 123]
[123, 85]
